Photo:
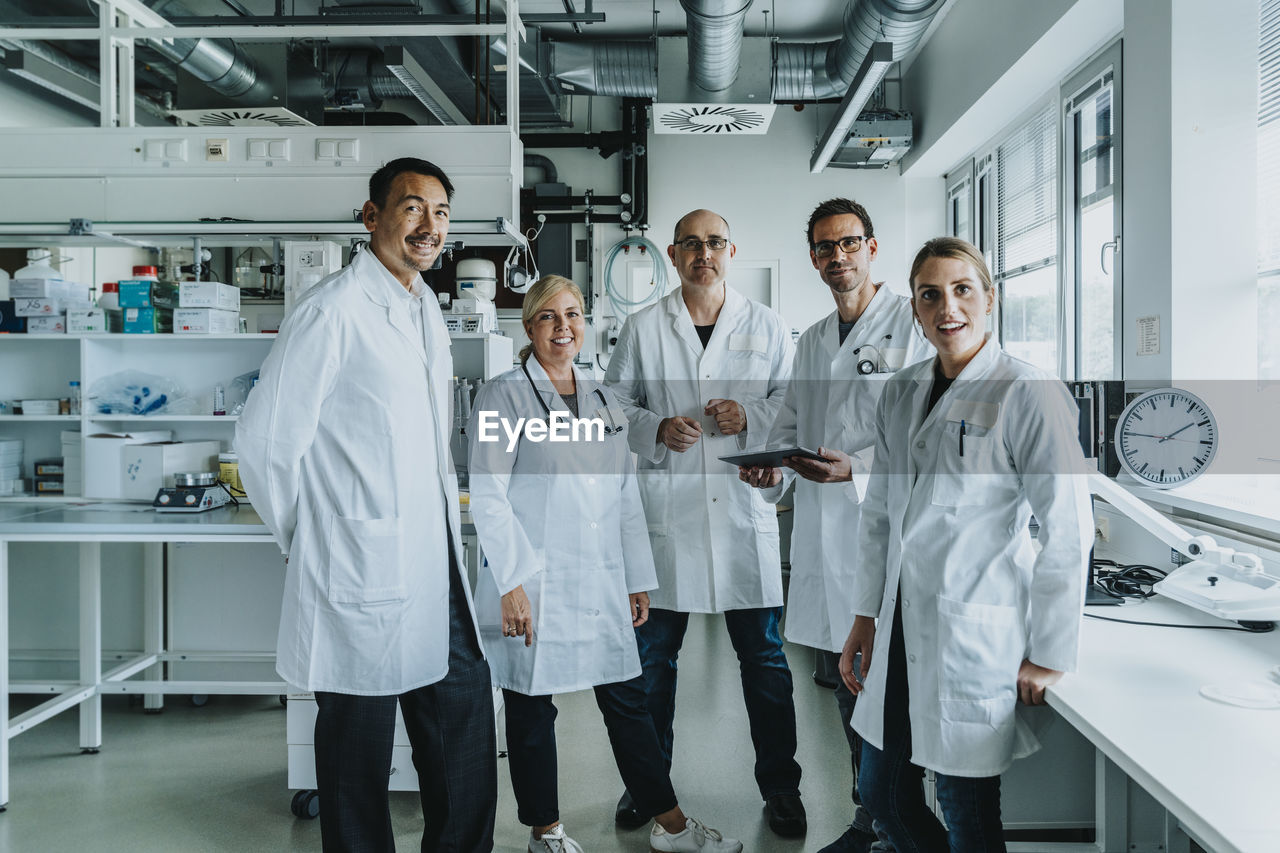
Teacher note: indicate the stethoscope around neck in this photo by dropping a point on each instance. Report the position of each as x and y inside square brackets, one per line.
[867, 366]
[611, 428]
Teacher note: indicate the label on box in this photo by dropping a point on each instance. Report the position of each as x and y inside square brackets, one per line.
[86, 320]
[50, 288]
[208, 294]
[37, 306]
[135, 293]
[205, 321]
[56, 325]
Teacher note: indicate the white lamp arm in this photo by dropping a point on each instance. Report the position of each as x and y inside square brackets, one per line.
[1194, 547]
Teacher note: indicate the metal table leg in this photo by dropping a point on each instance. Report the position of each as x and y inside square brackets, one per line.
[91, 644]
[153, 631]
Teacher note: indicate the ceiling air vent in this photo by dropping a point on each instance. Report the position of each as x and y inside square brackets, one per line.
[712, 119]
[264, 117]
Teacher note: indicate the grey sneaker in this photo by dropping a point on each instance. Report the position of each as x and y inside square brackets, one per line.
[554, 841]
[695, 838]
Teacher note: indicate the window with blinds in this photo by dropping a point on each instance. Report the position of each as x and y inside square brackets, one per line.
[1027, 196]
[1268, 188]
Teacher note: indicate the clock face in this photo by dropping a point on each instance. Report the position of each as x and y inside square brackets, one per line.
[1166, 438]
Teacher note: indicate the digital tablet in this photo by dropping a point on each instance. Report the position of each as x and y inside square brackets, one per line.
[770, 458]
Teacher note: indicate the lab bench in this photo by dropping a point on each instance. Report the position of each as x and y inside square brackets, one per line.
[90, 526]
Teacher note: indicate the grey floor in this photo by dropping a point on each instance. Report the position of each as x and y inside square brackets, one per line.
[213, 778]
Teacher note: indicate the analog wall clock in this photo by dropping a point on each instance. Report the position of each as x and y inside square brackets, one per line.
[1166, 437]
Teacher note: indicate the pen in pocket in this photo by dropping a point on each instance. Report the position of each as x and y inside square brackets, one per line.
[962, 436]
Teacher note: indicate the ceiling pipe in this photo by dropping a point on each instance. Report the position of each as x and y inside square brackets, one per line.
[715, 41]
[219, 63]
[823, 71]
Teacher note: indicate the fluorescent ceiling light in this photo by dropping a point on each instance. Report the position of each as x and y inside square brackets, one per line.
[415, 78]
[56, 79]
[870, 73]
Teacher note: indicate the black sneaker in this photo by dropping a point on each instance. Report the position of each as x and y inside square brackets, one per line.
[626, 815]
[786, 815]
[854, 840]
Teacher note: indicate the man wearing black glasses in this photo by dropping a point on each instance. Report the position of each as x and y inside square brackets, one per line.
[831, 405]
[701, 375]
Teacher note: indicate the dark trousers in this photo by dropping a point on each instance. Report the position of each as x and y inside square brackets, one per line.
[531, 751]
[766, 688]
[890, 783]
[845, 701]
[450, 725]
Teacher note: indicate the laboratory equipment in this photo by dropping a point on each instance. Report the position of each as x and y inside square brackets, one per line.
[75, 397]
[306, 264]
[1220, 581]
[473, 309]
[192, 492]
[1166, 438]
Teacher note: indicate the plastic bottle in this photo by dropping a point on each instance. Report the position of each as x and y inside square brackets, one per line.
[109, 298]
[147, 273]
[4, 285]
[38, 266]
[219, 400]
[75, 396]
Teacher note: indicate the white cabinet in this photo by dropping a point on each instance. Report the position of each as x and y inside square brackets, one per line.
[42, 366]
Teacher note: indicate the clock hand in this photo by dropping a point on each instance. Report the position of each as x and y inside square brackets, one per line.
[1176, 431]
[1147, 435]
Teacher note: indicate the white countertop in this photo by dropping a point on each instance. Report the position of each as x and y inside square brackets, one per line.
[69, 521]
[1136, 696]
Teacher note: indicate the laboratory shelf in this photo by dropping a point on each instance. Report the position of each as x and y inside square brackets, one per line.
[164, 418]
[36, 418]
[169, 336]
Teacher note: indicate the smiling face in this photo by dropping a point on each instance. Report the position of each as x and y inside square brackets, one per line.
[556, 330]
[843, 272]
[704, 267]
[409, 232]
[949, 300]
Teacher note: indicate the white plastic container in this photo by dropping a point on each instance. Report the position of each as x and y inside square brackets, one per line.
[109, 298]
[38, 266]
[4, 285]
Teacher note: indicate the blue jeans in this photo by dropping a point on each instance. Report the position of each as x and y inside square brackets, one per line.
[845, 702]
[890, 783]
[766, 687]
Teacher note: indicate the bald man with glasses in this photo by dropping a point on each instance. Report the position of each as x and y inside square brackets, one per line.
[830, 404]
[701, 375]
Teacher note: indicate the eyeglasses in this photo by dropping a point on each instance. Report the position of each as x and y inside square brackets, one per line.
[693, 244]
[848, 245]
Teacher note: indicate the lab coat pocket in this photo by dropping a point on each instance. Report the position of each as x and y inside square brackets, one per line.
[655, 493]
[968, 479]
[980, 647]
[364, 561]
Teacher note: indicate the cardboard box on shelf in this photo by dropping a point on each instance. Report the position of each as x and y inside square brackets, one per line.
[48, 288]
[54, 325]
[103, 459]
[208, 294]
[210, 321]
[86, 320]
[144, 293]
[146, 321]
[148, 467]
[10, 322]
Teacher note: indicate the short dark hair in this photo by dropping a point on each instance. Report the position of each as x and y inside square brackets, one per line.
[840, 207]
[381, 181]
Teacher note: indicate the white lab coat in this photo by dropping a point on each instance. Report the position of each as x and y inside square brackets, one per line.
[563, 520]
[950, 532]
[715, 539]
[829, 404]
[344, 449]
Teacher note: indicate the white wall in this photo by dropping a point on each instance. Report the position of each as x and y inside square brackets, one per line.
[762, 185]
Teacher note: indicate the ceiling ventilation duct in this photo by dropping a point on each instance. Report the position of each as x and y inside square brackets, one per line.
[220, 64]
[823, 71]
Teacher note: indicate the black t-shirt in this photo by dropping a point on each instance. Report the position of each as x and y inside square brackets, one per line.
[939, 387]
[845, 329]
[704, 332]
[571, 400]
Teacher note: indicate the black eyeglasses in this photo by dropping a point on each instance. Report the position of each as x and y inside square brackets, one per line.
[848, 245]
[693, 244]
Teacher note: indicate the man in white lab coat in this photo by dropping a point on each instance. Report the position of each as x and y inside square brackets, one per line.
[842, 362]
[701, 375]
[344, 449]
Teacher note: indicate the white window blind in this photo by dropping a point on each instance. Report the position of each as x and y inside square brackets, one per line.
[1027, 195]
[1269, 138]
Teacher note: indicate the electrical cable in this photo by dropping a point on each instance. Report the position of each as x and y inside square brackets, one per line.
[1134, 581]
[1245, 629]
[621, 305]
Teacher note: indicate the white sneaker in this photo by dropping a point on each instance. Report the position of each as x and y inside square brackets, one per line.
[695, 838]
[556, 841]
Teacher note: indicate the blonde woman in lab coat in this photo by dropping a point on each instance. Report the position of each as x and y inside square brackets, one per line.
[957, 617]
[568, 573]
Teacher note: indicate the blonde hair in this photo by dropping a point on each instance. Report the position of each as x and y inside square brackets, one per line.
[543, 291]
[955, 249]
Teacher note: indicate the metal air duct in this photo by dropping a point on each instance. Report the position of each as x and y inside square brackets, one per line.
[616, 69]
[219, 63]
[715, 41]
[808, 72]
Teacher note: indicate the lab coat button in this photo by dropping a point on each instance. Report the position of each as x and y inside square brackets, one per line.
[920, 444]
[713, 500]
[911, 658]
[593, 525]
[906, 603]
[591, 481]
